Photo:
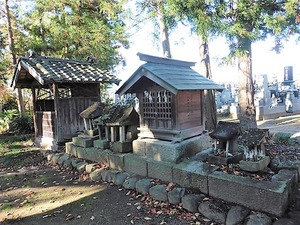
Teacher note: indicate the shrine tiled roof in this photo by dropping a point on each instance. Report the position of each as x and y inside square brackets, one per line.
[40, 71]
[173, 75]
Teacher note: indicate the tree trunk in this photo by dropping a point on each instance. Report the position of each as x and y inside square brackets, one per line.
[164, 31]
[247, 114]
[14, 57]
[209, 95]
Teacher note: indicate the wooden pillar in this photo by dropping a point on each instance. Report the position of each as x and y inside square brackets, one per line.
[57, 123]
[34, 112]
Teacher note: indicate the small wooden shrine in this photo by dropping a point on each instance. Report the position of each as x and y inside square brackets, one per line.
[170, 97]
[61, 90]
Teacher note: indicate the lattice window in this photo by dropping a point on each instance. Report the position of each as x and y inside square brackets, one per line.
[64, 93]
[157, 109]
[44, 94]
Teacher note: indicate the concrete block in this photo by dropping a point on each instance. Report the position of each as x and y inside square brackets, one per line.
[264, 196]
[160, 170]
[70, 149]
[193, 174]
[101, 144]
[103, 156]
[135, 164]
[122, 147]
[80, 151]
[139, 147]
[290, 177]
[116, 161]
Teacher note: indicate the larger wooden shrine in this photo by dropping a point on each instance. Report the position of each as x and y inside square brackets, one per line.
[170, 97]
[61, 90]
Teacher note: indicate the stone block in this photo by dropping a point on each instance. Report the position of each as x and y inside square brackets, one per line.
[84, 141]
[265, 196]
[160, 170]
[63, 158]
[255, 166]
[168, 151]
[159, 192]
[116, 161]
[103, 156]
[101, 144]
[135, 164]
[139, 147]
[70, 149]
[91, 132]
[193, 174]
[290, 177]
[122, 147]
[80, 151]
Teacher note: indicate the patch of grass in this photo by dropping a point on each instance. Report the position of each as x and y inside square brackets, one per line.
[6, 206]
[17, 151]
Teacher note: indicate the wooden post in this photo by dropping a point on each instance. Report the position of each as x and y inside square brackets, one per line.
[227, 148]
[57, 120]
[34, 112]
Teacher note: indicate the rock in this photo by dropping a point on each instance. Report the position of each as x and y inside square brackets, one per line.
[130, 183]
[143, 186]
[159, 192]
[294, 215]
[49, 157]
[75, 161]
[96, 174]
[191, 202]
[63, 158]
[120, 178]
[258, 219]
[213, 211]
[67, 163]
[286, 221]
[90, 167]
[236, 215]
[175, 195]
[105, 175]
[80, 167]
[55, 158]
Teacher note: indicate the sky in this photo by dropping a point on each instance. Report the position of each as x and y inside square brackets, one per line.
[184, 46]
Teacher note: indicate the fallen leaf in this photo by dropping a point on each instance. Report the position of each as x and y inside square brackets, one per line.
[147, 218]
[92, 218]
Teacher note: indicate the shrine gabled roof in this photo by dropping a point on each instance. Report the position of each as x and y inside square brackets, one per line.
[173, 75]
[40, 71]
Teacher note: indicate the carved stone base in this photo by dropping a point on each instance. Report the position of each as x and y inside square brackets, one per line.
[252, 166]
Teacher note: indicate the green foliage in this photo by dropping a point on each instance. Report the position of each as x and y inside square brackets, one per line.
[5, 119]
[21, 125]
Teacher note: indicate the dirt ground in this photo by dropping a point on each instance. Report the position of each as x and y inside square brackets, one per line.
[39, 193]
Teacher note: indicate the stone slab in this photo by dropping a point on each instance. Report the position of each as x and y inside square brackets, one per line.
[135, 164]
[139, 147]
[101, 144]
[193, 174]
[116, 161]
[290, 177]
[160, 170]
[265, 196]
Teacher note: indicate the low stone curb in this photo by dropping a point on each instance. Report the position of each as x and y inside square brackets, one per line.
[191, 202]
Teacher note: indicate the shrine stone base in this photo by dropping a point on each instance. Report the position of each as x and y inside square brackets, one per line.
[219, 160]
[122, 147]
[252, 166]
[170, 152]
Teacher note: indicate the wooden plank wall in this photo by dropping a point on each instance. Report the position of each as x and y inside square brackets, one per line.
[189, 106]
[68, 112]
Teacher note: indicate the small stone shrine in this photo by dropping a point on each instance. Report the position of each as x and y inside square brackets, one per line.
[121, 128]
[225, 144]
[89, 114]
[253, 142]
